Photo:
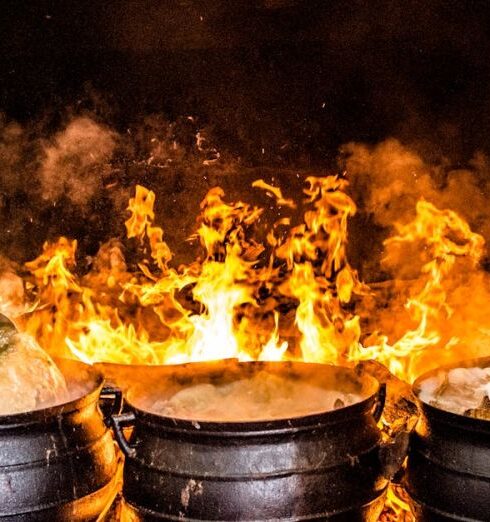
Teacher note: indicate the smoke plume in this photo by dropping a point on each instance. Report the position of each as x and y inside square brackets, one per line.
[389, 178]
[74, 161]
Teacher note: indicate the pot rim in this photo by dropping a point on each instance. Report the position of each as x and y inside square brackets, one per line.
[372, 401]
[44, 414]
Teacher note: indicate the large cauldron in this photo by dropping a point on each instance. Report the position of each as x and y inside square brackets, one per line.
[58, 463]
[323, 466]
[448, 471]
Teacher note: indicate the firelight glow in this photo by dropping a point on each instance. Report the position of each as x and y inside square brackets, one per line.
[227, 303]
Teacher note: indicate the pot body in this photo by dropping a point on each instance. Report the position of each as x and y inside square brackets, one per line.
[448, 467]
[57, 463]
[319, 467]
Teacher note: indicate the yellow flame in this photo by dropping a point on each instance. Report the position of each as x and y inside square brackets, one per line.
[295, 298]
[443, 237]
[275, 192]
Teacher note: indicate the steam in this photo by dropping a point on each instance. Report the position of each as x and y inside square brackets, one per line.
[75, 179]
[74, 161]
[389, 178]
[12, 295]
[12, 150]
[68, 162]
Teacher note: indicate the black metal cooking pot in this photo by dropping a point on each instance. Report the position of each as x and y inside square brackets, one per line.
[58, 463]
[323, 466]
[448, 467]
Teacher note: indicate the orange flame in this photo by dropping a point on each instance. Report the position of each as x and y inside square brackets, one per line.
[227, 302]
[295, 298]
[444, 237]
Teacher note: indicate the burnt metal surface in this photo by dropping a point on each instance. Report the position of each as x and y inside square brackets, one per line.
[448, 471]
[57, 463]
[319, 467]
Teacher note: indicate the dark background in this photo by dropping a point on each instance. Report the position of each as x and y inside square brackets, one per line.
[276, 83]
[296, 78]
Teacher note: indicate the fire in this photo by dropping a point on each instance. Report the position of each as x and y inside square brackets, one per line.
[293, 297]
[230, 301]
[444, 238]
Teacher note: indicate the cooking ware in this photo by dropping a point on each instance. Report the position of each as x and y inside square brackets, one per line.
[448, 470]
[58, 463]
[323, 466]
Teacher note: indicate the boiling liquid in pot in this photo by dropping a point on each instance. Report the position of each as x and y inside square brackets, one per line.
[29, 379]
[460, 390]
[263, 396]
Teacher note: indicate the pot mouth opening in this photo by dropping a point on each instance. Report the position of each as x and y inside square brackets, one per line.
[453, 389]
[83, 383]
[231, 392]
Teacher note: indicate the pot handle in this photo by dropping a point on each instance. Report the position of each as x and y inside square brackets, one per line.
[380, 402]
[118, 422]
[114, 397]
